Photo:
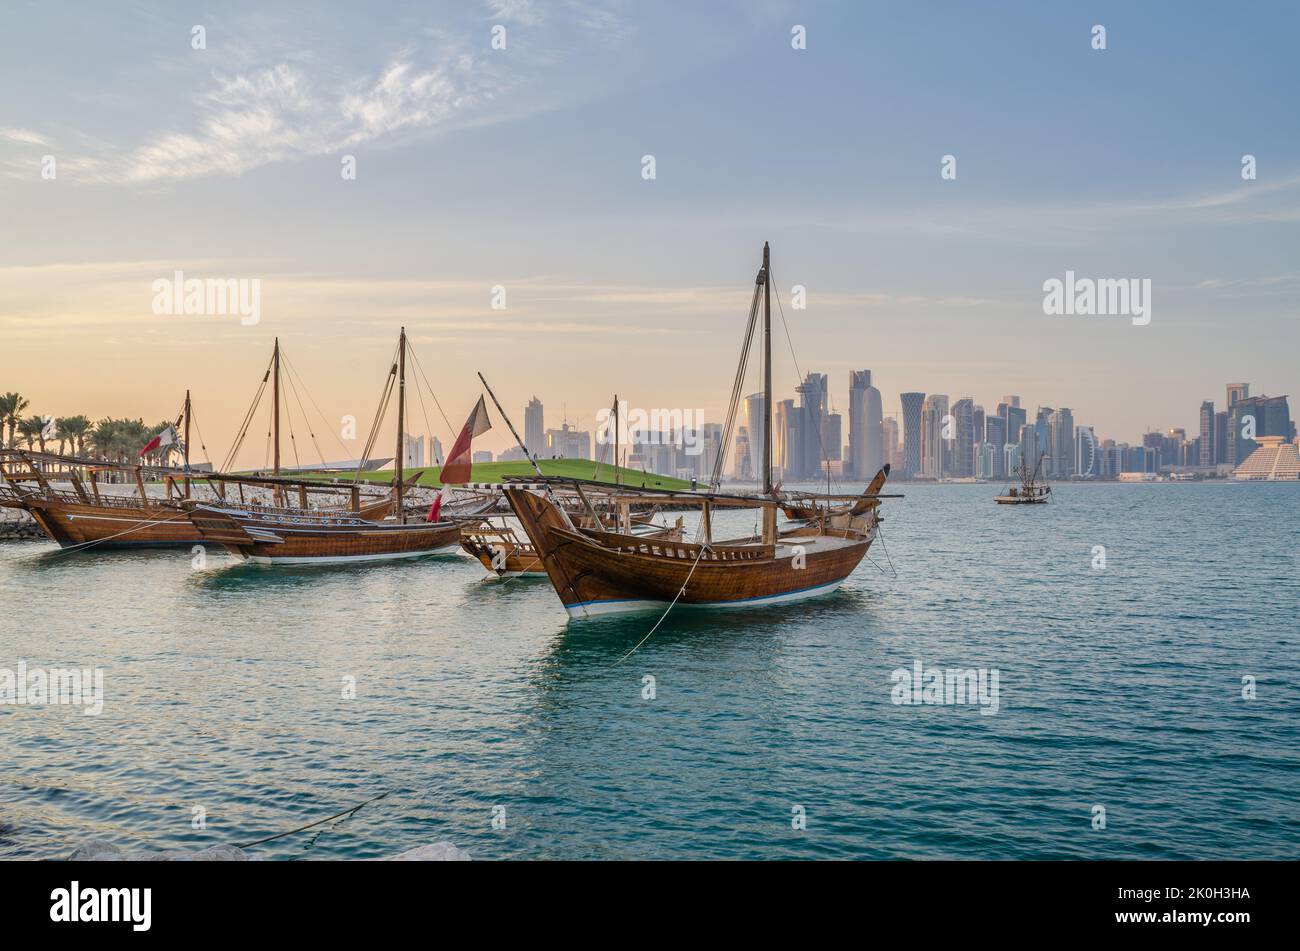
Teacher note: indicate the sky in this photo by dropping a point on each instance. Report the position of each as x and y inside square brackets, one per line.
[479, 169]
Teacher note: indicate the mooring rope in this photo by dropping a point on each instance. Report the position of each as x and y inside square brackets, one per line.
[666, 610]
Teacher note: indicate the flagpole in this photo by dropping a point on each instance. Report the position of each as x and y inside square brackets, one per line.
[514, 432]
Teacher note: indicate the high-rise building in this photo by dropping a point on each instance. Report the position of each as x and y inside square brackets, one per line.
[832, 428]
[866, 452]
[913, 406]
[785, 436]
[892, 451]
[961, 447]
[435, 452]
[1205, 454]
[1262, 415]
[567, 443]
[753, 422]
[1014, 416]
[1044, 442]
[1220, 438]
[934, 447]
[412, 451]
[1032, 437]
[1237, 391]
[812, 412]
[710, 437]
[534, 428]
[742, 468]
[1062, 450]
[1085, 452]
[995, 435]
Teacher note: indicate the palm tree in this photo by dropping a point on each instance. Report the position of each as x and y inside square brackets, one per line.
[11, 406]
[74, 430]
[31, 428]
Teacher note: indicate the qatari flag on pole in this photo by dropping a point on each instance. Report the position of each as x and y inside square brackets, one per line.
[457, 469]
[167, 437]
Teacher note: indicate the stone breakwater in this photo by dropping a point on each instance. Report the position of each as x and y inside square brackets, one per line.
[15, 524]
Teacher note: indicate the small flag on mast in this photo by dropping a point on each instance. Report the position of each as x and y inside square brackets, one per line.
[457, 469]
[168, 437]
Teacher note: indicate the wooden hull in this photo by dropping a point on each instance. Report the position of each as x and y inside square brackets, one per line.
[312, 539]
[603, 572]
[506, 561]
[75, 524]
[504, 555]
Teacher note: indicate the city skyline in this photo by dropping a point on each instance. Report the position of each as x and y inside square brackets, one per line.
[563, 261]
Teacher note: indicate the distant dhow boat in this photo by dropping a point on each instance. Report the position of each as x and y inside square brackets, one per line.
[1031, 490]
[278, 535]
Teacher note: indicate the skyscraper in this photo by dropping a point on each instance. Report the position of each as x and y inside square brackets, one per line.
[742, 467]
[832, 429]
[934, 448]
[962, 445]
[891, 452]
[1063, 455]
[1237, 391]
[995, 435]
[534, 428]
[1206, 447]
[1014, 416]
[1264, 415]
[812, 411]
[710, 446]
[785, 437]
[1085, 451]
[1043, 441]
[913, 403]
[754, 404]
[866, 453]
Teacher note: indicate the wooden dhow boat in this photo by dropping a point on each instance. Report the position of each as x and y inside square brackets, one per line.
[281, 535]
[1031, 491]
[598, 572]
[89, 514]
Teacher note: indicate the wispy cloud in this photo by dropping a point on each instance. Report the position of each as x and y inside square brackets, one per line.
[22, 136]
[281, 112]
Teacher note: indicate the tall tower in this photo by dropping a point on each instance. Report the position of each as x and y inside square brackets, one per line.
[535, 428]
[754, 426]
[912, 406]
[866, 454]
[1206, 447]
[934, 448]
[812, 413]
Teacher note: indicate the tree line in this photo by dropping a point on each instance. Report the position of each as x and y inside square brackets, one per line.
[108, 440]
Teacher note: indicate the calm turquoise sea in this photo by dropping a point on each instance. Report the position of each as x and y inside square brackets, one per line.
[1118, 687]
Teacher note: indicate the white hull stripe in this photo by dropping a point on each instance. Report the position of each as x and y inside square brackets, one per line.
[347, 559]
[593, 608]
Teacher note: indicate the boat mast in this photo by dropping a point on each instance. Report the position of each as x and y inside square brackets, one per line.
[401, 418]
[767, 371]
[185, 446]
[769, 512]
[275, 391]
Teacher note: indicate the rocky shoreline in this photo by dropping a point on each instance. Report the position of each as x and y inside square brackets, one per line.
[17, 525]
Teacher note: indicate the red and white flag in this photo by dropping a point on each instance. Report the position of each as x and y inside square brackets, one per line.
[168, 437]
[457, 469]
